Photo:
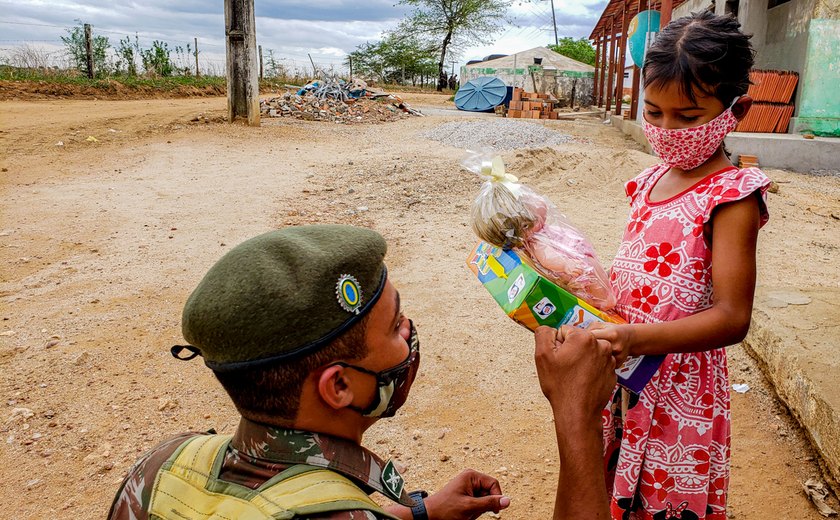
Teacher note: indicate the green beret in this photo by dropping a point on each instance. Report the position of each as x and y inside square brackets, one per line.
[283, 294]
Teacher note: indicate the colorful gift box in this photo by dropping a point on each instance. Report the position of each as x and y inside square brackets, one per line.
[532, 300]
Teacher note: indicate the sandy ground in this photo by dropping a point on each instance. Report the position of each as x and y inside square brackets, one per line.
[101, 243]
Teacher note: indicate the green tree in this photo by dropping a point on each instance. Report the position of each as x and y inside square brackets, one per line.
[156, 59]
[74, 43]
[397, 58]
[456, 23]
[127, 53]
[580, 50]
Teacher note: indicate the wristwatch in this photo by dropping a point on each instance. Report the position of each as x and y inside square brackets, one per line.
[418, 510]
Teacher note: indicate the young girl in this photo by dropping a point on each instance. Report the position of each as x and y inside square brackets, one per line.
[684, 276]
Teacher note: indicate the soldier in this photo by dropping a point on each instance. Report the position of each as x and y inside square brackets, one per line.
[577, 375]
[304, 331]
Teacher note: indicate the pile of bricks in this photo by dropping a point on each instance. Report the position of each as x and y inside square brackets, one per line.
[532, 105]
[748, 161]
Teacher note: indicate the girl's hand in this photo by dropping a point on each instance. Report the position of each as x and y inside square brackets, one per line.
[619, 336]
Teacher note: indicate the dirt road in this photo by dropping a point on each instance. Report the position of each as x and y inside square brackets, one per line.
[101, 243]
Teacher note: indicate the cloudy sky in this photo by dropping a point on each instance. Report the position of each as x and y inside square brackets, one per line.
[326, 29]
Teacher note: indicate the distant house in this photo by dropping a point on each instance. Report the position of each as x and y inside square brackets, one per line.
[539, 70]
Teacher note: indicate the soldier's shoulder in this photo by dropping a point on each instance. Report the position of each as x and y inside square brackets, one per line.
[135, 491]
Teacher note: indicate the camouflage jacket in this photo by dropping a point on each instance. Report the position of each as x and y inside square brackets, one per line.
[256, 453]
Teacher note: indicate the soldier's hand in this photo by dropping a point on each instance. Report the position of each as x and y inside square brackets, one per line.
[576, 371]
[467, 496]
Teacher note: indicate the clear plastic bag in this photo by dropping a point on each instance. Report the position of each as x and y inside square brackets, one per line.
[510, 215]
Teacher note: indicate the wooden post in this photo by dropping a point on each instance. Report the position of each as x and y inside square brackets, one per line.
[350, 58]
[637, 74]
[610, 90]
[243, 86]
[622, 46]
[603, 64]
[665, 13]
[261, 62]
[89, 51]
[597, 70]
[197, 73]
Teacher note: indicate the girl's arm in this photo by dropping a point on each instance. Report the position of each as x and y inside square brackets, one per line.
[734, 236]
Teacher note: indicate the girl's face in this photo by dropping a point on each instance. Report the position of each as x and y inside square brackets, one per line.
[668, 107]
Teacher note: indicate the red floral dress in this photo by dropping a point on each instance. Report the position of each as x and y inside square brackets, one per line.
[670, 457]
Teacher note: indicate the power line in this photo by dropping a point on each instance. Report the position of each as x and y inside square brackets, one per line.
[35, 24]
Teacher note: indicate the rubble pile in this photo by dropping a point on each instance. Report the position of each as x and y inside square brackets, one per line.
[337, 102]
[310, 108]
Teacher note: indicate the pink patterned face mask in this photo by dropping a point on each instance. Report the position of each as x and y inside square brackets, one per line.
[688, 148]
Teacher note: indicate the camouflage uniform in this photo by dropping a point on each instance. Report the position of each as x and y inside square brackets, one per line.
[256, 453]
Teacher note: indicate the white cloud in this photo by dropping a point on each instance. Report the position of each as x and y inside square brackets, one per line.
[326, 29]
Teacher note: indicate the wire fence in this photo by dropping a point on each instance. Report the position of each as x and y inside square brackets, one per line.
[202, 55]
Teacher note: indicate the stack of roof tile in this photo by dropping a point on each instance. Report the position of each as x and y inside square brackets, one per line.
[772, 93]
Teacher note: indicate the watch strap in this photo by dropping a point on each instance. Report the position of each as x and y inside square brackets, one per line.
[418, 510]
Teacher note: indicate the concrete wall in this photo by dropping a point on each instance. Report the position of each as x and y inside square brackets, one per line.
[819, 110]
[692, 6]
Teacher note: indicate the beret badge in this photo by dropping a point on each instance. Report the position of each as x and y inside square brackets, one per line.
[349, 293]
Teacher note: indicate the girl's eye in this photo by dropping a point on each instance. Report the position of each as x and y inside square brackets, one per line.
[653, 114]
[689, 119]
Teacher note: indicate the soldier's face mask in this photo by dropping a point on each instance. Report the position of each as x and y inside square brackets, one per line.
[392, 384]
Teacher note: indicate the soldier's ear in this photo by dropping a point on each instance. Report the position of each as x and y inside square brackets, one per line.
[333, 387]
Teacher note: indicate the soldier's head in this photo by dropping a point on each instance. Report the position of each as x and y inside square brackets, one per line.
[302, 328]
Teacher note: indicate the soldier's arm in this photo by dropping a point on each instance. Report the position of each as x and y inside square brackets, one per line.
[577, 375]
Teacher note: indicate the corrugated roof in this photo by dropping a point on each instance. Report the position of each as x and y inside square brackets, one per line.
[525, 58]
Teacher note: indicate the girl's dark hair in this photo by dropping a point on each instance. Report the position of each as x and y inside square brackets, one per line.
[703, 51]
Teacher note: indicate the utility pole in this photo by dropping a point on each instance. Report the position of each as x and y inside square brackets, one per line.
[243, 85]
[89, 51]
[453, 62]
[554, 22]
[261, 62]
[196, 58]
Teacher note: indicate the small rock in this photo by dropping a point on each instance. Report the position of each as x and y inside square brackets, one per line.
[502, 470]
[33, 483]
[773, 188]
[361, 209]
[165, 403]
[444, 457]
[80, 358]
[791, 297]
[19, 414]
[7, 333]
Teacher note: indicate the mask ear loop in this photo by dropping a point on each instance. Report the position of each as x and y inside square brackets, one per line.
[178, 349]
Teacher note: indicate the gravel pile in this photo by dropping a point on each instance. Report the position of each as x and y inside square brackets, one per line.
[825, 173]
[497, 133]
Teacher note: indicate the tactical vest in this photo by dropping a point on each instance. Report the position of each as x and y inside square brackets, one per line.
[188, 487]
